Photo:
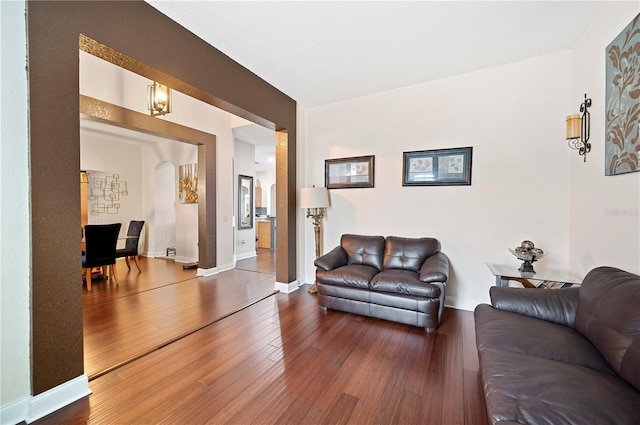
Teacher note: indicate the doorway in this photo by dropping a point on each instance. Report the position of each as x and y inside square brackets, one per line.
[53, 38]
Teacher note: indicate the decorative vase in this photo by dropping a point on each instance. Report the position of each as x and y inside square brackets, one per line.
[528, 253]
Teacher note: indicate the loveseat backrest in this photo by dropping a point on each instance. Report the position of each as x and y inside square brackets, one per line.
[608, 314]
[365, 250]
[408, 253]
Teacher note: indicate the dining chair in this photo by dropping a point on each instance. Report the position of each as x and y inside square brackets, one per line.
[100, 249]
[131, 246]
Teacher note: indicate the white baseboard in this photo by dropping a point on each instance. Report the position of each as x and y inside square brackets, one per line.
[287, 288]
[226, 267]
[184, 259]
[207, 272]
[245, 255]
[460, 304]
[15, 412]
[214, 270]
[32, 408]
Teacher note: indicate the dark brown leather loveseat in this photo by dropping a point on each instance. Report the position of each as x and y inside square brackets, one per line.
[393, 278]
[563, 356]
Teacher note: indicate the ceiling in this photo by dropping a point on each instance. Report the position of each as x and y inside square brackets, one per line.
[320, 52]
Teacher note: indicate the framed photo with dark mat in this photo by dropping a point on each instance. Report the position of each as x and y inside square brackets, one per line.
[439, 167]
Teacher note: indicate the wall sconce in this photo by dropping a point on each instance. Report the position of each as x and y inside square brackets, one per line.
[158, 99]
[579, 129]
[315, 200]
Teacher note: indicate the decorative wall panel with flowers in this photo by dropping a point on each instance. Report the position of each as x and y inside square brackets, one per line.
[622, 145]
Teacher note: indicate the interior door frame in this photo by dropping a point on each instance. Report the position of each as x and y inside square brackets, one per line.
[174, 56]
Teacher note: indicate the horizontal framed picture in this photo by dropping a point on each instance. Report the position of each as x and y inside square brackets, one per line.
[343, 173]
[440, 167]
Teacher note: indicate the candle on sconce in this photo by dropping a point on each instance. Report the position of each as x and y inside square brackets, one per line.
[573, 126]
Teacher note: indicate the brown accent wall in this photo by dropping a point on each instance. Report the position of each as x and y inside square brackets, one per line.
[140, 32]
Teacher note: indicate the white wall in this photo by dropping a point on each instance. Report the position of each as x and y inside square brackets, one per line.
[605, 210]
[512, 115]
[161, 222]
[15, 233]
[186, 214]
[107, 155]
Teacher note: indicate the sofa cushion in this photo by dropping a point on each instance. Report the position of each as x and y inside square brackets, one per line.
[405, 302]
[408, 253]
[608, 314]
[355, 275]
[403, 282]
[523, 334]
[533, 390]
[347, 292]
[364, 250]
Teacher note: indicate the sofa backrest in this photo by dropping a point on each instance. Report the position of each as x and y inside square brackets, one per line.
[408, 253]
[608, 314]
[365, 250]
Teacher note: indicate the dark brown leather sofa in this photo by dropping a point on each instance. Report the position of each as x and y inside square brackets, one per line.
[393, 278]
[563, 356]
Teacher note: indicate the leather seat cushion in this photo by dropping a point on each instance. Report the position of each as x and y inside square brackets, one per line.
[405, 302]
[344, 292]
[522, 334]
[404, 282]
[355, 275]
[533, 390]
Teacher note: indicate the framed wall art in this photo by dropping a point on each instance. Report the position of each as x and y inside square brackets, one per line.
[622, 144]
[352, 172]
[440, 167]
[188, 184]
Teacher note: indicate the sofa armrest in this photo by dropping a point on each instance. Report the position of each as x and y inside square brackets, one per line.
[332, 259]
[553, 305]
[435, 268]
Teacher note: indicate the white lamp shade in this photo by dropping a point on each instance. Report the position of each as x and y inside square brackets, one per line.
[314, 197]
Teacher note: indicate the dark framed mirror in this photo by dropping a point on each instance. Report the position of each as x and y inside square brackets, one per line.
[245, 202]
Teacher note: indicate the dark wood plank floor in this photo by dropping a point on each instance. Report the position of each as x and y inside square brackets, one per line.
[161, 304]
[283, 360]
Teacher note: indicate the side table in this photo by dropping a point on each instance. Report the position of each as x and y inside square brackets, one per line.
[545, 279]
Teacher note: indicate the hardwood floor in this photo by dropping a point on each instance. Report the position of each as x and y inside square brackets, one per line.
[148, 310]
[283, 360]
[264, 262]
